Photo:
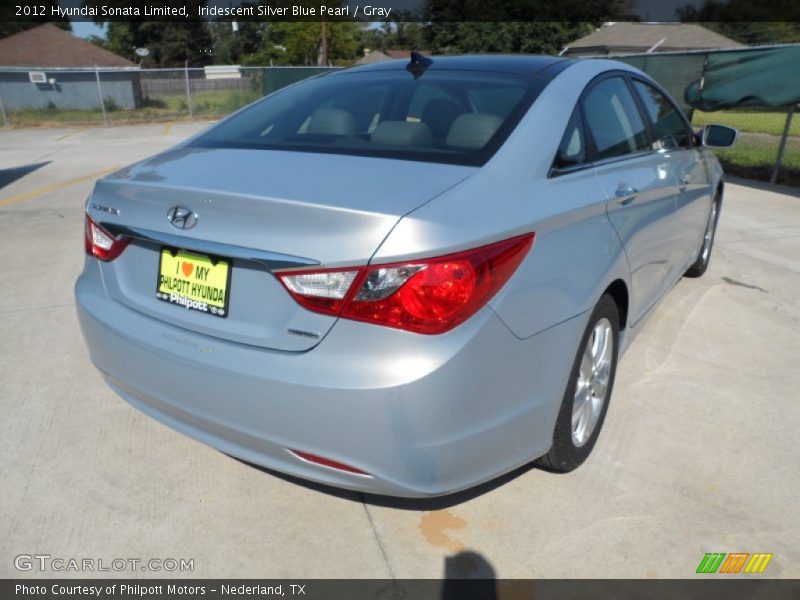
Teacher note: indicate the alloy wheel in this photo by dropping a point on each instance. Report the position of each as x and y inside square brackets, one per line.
[592, 383]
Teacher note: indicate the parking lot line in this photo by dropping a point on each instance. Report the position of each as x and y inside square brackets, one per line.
[54, 187]
[69, 134]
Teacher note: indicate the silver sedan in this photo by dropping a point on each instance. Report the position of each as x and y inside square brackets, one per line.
[405, 278]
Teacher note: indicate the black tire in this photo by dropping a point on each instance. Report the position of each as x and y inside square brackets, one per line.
[704, 255]
[565, 455]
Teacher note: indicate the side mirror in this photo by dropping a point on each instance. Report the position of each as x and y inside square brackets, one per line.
[718, 136]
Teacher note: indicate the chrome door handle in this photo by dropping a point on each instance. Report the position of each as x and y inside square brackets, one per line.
[684, 182]
[625, 193]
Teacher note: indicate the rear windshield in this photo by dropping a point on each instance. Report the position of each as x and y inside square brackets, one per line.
[459, 117]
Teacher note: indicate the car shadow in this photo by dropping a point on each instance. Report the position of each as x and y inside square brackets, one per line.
[8, 176]
[410, 504]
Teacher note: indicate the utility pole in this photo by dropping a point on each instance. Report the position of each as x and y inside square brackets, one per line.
[782, 145]
[188, 90]
[100, 93]
[323, 59]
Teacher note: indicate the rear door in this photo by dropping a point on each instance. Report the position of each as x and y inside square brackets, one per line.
[639, 185]
[671, 134]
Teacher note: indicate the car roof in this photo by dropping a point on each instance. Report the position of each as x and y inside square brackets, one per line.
[517, 64]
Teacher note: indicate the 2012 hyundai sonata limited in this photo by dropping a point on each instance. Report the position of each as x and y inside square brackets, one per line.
[404, 278]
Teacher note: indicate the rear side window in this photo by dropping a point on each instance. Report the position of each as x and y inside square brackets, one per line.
[613, 119]
[572, 150]
[669, 127]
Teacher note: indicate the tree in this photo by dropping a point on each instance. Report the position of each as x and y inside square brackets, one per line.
[299, 43]
[748, 22]
[123, 39]
[375, 38]
[230, 46]
[516, 26]
[408, 35]
[98, 41]
[268, 48]
[171, 43]
[343, 41]
[591, 11]
[546, 37]
[396, 35]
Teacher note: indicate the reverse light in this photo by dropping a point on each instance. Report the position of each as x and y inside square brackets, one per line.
[327, 462]
[428, 296]
[100, 243]
[320, 291]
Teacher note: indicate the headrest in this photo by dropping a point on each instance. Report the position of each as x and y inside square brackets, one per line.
[332, 121]
[402, 133]
[439, 114]
[472, 130]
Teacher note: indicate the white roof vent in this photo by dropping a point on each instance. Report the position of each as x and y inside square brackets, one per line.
[223, 72]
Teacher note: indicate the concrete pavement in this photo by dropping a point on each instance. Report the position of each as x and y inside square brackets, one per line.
[699, 452]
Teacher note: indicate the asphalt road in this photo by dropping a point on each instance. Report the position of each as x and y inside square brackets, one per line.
[699, 453]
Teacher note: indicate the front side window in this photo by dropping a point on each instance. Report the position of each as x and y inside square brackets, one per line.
[669, 127]
[614, 120]
[458, 117]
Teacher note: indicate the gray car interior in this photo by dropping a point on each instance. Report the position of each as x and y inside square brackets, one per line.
[332, 121]
[442, 121]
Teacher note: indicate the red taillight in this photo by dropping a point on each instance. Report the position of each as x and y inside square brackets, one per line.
[427, 296]
[100, 243]
[327, 462]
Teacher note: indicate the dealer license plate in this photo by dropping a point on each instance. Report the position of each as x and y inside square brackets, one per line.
[194, 281]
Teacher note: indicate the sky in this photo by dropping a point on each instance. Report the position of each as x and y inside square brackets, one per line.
[85, 29]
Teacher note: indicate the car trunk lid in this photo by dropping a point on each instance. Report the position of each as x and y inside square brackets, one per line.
[260, 211]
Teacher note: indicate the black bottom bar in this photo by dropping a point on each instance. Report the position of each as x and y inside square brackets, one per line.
[734, 588]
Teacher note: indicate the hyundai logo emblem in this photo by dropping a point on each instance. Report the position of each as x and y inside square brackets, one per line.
[182, 217]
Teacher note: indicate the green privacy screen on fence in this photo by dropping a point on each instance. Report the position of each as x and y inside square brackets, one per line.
[709, 81]
[280, 77]
[752, 89]
[673, 71]
[767, 77]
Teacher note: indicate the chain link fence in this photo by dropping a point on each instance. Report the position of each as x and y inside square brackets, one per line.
[757, 152]
[117, 96]
[54, 97]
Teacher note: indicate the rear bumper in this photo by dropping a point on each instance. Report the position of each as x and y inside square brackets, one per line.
[423, 415]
